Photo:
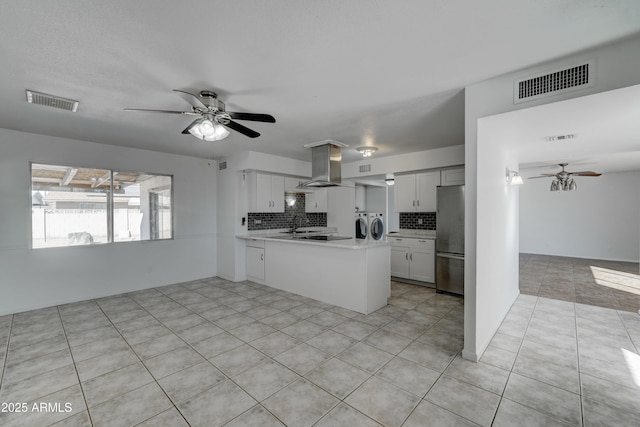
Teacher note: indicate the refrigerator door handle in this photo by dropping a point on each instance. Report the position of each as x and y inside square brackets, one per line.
[459, 257]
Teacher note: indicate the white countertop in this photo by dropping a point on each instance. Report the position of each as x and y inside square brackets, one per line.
[276, 236]
[417, 234]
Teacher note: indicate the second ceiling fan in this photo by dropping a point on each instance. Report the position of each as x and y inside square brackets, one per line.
[214, 119]
[563, 179]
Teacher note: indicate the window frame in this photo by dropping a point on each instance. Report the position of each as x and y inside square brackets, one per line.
[110, 205]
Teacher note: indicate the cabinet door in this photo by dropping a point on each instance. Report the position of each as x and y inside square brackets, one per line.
[255, 263]
[400, 262]
[422, 258]
[321, 200]
[310, 201]
[277, 193]
[426, 184]
[452, 176]
[263, 193]
[405, 193]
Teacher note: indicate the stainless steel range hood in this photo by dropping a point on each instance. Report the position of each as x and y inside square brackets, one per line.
[326, 161]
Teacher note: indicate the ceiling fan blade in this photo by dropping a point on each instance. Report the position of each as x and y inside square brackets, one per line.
[193, 123]
[242, 129]
[267, 118]
[585, 173]
[187, 113]
[190, 98]
[544, 175]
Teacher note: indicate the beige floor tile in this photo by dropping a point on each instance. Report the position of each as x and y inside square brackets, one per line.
[610, 393]
[428, 356]
[405, 329]
[199, 332]
[78, 420]
[387, 341]
[191, 381]
[300, 403]
[302, 358]
[596, 414]
[547, 372]
[264, 380]
[216, 406]
[217, 344]
[331, 342]
[105, 363]
[303, 330]
[337, 377]
[252, 331]
[465, 400]
[96, 348]
[238, 360]
[428, 414]
[384, 402]
[108, 386]
[157, 346]
[275, 343]
[514, 414]
[172, 361]
[59, 399]
[344, 415]
[409, 376]
[131, 408]
[256, 416]
[30, 389]
[20, 370]
[168, 418]
[498, 357]
[327, 319]
[354, 329]
[365, 357]
[479, 374]
[545, 398]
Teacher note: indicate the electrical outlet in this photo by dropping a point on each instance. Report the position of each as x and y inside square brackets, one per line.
[419, 221]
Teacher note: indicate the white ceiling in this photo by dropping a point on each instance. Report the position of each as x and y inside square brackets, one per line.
[605, 125]
[364, 72]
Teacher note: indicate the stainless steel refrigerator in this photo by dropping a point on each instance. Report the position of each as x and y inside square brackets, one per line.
[450, 239]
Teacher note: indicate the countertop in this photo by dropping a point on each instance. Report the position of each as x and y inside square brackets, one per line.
[416, 234]
[279, 236]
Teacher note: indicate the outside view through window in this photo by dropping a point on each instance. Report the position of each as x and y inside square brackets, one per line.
[84, 206]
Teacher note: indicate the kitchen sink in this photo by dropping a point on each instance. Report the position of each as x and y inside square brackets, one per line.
[325, 238]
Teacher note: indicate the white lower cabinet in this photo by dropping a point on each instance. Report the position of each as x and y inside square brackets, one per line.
[413, 258]
[255, 260]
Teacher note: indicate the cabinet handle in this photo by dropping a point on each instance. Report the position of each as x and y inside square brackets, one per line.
[422, 241]
[418, 202]
[398, 240]
[261, 257]
[414, 203]
[406, 256]
[411, 257]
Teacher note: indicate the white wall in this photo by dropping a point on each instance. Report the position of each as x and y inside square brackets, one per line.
[617, 66]
[35, 278]
[428, 159]
[598, 221]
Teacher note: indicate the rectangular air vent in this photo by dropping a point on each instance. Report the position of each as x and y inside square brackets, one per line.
[40, 98]
[365, 168]
[222, 166]
[554, 83]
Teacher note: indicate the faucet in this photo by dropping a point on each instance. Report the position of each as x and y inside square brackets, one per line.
[293, 222]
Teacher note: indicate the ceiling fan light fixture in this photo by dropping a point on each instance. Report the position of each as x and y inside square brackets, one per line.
[209, 130]
[367, 151]
[554, 185]
[390, 179]
[572, 185]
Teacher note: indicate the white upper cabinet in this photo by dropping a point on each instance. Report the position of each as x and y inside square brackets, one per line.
[294, 185]
[416, 192]
[316, 201]
[452, 176]
[266, 192]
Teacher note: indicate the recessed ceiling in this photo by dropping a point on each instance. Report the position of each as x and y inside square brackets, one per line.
[384, 73]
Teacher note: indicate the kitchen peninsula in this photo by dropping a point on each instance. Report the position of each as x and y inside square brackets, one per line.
[350, 273]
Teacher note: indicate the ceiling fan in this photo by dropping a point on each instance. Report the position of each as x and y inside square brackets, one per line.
[563, 179]
[213, 120]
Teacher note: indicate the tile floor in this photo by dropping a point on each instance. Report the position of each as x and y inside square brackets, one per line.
[610, 284]
[211, 352]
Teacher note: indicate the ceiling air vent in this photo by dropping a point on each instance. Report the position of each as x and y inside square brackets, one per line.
[554, 83]
[222, 166]
[40, 98]
[365, 168]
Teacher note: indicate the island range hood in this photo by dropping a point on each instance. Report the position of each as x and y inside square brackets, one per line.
[326, 162]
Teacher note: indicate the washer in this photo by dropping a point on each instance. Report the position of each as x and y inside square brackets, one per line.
[376, 226]
[362, 225]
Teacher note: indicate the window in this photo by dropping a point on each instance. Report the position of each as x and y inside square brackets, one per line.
[82, 206]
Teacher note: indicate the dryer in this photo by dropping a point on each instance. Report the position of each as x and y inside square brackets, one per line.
[376, 226]
[362, 225]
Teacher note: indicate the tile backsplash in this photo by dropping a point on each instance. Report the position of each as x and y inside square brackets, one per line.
[418, 220]
[271, 220]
